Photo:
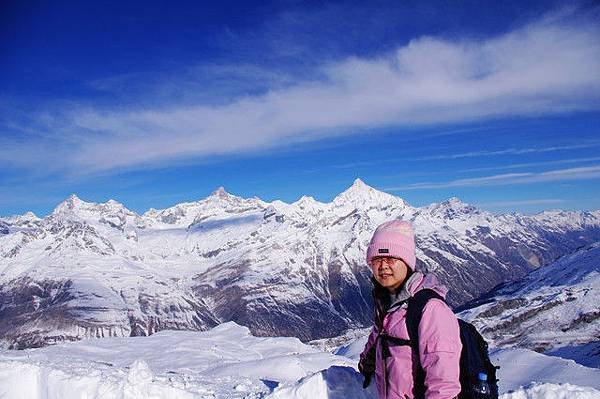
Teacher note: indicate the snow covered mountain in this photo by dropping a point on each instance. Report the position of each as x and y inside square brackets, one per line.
[554, 309]
[97, 270]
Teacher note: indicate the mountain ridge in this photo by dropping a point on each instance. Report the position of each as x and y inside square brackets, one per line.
[90, 269]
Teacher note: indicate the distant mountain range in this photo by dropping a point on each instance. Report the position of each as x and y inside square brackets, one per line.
[94, 270]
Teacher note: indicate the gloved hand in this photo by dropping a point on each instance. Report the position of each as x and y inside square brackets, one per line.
[367, 379]
[366, 366]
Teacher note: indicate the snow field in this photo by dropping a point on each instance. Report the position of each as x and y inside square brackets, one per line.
[228, 362]
[552, 391]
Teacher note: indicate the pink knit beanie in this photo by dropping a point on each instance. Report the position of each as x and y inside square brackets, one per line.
[395, 239]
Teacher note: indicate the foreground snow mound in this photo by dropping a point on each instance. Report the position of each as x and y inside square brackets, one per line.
[523, 374]
[225, 362]
[552, 391]
[31, 381]
[334, 383]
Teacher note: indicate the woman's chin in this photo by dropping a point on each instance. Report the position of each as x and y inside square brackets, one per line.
[389, 284]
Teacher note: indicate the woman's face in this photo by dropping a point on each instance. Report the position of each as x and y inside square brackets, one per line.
[389, 272]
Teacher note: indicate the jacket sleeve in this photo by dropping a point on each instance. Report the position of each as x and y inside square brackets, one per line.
[366, 363]
[439, 350]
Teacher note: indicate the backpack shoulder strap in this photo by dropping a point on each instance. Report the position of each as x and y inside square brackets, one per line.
[414, 312]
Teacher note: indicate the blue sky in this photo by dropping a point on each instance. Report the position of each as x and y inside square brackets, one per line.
[156, 103]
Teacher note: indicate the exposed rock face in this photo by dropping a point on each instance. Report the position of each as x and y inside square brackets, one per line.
[280, 269]
[4, 228]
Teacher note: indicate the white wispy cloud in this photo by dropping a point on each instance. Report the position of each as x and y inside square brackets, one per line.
[530, 164]
[551, 66]
[510, 151]
[582, 173]
[541, 201]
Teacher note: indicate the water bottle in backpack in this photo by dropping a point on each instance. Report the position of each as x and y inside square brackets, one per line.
[482, 388]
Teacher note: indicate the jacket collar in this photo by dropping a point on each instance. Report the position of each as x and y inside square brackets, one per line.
[398, 298]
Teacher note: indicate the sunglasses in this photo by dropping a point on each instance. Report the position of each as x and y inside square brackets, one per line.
[383, 260]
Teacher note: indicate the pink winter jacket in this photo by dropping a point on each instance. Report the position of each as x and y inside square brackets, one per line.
[439, 347]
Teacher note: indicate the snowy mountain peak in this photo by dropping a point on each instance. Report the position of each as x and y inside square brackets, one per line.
[307, 201]
[360, 193]
[358, 189]
[453, 209]
[30, 216]
[114, 207]
[111, 213]
[359, 184]
[74, 200]
[18, 219]
[70, 204]
[456, 205]
[112, 203]
[307, 206]
[223, 198]
[220, 193]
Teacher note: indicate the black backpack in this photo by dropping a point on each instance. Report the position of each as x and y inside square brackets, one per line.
[474, 357]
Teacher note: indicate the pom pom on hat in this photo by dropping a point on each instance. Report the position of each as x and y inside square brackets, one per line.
[395, 239]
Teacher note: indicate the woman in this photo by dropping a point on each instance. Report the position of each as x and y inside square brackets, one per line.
[391, 256]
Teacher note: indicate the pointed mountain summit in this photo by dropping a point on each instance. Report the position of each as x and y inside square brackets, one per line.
[70, 204]
[358, 189]
[454, 201]
[307, 206]
[224, 198]
[30, 216]
[360, 193]
[220, 193]
[307, 201]
[456, 205]
[453, 209]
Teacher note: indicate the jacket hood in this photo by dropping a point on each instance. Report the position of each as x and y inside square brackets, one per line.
[420, 281]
